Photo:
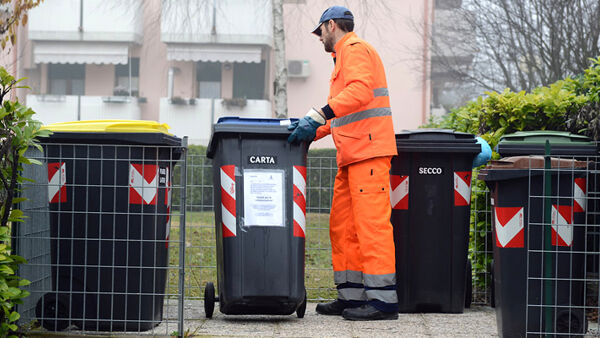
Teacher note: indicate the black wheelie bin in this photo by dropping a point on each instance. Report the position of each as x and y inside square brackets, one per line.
[587, 191]
[108, 191]
[539, 254]
[431, 203]
[260, 218]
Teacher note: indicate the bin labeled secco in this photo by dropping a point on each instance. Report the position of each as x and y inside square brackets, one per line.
[431, 203]
[260, 218]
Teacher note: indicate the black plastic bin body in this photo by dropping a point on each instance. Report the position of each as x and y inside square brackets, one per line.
[109, 230]
[260, 267]
[568, 146]
[431, 189]
[517, 188]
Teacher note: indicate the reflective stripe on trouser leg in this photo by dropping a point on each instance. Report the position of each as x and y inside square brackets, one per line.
[352, 294]
[369, 189]
[340, 277]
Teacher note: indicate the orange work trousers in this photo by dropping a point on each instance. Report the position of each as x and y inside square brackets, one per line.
[362, 238]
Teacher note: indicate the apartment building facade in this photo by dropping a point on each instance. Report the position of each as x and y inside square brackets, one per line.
[187, 63]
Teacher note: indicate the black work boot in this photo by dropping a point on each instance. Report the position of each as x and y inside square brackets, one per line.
[334, 308]
[368, 312]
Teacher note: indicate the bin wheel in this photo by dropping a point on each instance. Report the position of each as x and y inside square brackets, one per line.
[571, 321]
[468, 285]
[209, 299]
[492, 286]
[302, 308]
[52, 311]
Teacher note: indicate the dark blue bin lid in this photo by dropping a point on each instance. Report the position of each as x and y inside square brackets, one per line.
[234, 125]
[436, 140]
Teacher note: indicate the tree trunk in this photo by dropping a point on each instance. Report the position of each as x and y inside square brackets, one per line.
[280, 82]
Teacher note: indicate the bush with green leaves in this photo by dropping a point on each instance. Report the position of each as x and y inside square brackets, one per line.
[572, 105]
[18, 132]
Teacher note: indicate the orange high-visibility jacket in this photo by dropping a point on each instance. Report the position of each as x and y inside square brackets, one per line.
[362, 127]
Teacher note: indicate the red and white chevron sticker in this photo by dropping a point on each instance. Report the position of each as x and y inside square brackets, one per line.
[562, 225]
[228, 214]
[57, 182]
[168, 204]
[399, 192]
[299, 178]
[579, 194]
[462, 188]
[510, 227]
[143, 183]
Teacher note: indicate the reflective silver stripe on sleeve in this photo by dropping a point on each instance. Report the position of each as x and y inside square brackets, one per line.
[361, 115]
[346, 276]
[377, 281]
[387, 296]
[381, 92]
[352, 294]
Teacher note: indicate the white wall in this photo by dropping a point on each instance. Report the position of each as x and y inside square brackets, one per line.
[195, 121]
[63, 108]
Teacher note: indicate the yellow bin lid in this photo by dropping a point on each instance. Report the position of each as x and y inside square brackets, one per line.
[109, 126]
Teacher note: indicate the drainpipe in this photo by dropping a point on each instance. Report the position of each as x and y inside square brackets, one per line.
[428, 16]
[80, 28]
[170, 81]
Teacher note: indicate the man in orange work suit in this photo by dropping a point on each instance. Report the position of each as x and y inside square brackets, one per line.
[358, 117]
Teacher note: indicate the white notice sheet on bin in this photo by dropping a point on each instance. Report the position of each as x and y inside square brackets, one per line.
[263, 198]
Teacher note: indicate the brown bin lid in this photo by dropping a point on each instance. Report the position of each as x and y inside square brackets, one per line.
[534, 162]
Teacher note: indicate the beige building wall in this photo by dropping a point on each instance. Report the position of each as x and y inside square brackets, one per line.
[153, 62]
[389, 27]
[97, 78]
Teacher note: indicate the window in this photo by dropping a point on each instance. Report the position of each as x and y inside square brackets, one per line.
[249, 80]
[208, 75]
[123, 78]
[448, 4]
[66, 79]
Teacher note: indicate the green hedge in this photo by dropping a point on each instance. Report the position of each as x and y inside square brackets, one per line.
[569, 105]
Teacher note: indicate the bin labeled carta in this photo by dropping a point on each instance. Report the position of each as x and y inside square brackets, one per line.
[260, 218]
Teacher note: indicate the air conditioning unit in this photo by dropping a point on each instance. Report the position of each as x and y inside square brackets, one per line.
[298, 68]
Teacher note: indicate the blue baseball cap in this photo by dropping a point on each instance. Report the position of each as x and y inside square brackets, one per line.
[333, 12]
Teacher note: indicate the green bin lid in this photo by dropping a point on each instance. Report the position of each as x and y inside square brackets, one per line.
[534, 142]
[112, 132]
[540, 137]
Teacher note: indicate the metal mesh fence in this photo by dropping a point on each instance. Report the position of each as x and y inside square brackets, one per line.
[561, 240]
[545, 231]
[101, 253]
[94, 243]
[124, 239]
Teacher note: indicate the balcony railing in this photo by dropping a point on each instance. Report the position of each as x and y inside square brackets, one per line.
[64, 108]
[229, 22]
[98, 20]
[194, 118]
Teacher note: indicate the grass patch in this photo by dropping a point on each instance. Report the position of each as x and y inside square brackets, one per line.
[200, 256]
